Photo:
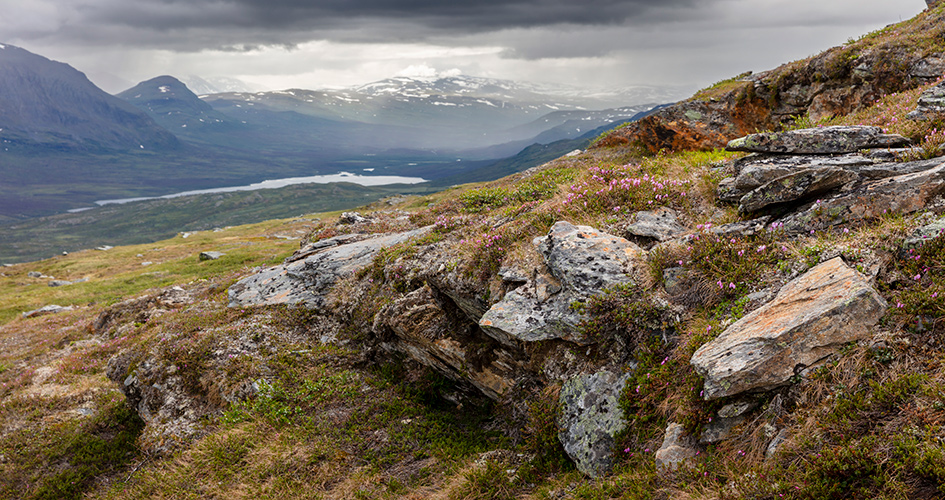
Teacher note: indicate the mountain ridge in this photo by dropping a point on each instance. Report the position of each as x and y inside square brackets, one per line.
[46, 103]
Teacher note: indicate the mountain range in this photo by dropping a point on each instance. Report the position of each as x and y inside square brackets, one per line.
[67, 143]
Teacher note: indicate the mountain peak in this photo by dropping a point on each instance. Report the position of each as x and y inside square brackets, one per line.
[170, 103]
[45, 102]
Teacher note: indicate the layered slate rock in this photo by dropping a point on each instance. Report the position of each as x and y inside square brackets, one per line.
[810, 319]
[582, 261]
[591, 418]
[420, 327]
[900, 194]
[795, 186]
[931, 103]
[305, 280]
[822, 140]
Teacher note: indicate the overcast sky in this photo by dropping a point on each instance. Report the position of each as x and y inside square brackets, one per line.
[281, 44]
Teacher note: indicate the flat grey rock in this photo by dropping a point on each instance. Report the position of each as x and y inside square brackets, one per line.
[210, 255]
[660, 224]
[50, 309]
[930, 231]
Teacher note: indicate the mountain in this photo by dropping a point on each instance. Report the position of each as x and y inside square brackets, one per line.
[47, 104]
[450, 113]
[552, 97]
[218, 85]
[172, 105]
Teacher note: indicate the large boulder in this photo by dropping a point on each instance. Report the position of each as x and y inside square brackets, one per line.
[591, 418]
[582, 262]
[306, 280]
[822, 140]
[810, 319]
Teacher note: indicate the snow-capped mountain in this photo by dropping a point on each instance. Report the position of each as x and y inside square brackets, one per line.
[552, 96]
[450, 112]
[217, 85]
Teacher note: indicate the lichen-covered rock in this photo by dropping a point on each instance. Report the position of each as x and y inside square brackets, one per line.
[930, 231]
[823, 140]
[677, 448]
[795, 186]
[582, 261]
[809, 320]
[591, 418]
[306, 281]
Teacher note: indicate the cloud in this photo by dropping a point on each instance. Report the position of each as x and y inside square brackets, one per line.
[314, 43]
[245, 24]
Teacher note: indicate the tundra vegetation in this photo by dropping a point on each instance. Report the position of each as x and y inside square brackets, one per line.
[326, 418]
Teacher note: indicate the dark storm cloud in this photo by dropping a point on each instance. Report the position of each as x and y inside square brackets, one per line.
[200, 24]
[468, 16]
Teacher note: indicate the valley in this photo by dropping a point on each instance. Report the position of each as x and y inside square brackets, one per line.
[67, 144]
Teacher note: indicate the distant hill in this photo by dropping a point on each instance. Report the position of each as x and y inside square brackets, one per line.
[171, 104]
[47, 104]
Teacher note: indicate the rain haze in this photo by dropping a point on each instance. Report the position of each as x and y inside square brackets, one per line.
[279, 44]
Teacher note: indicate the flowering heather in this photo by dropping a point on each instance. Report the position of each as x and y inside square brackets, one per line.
[620, 189]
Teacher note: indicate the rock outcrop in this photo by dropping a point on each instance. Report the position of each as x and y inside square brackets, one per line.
[794, 186]
[591, 418]
[902, 194]
[582, 262]
[308, 275]
[815, 192]
[810, 319]
[839, 81]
